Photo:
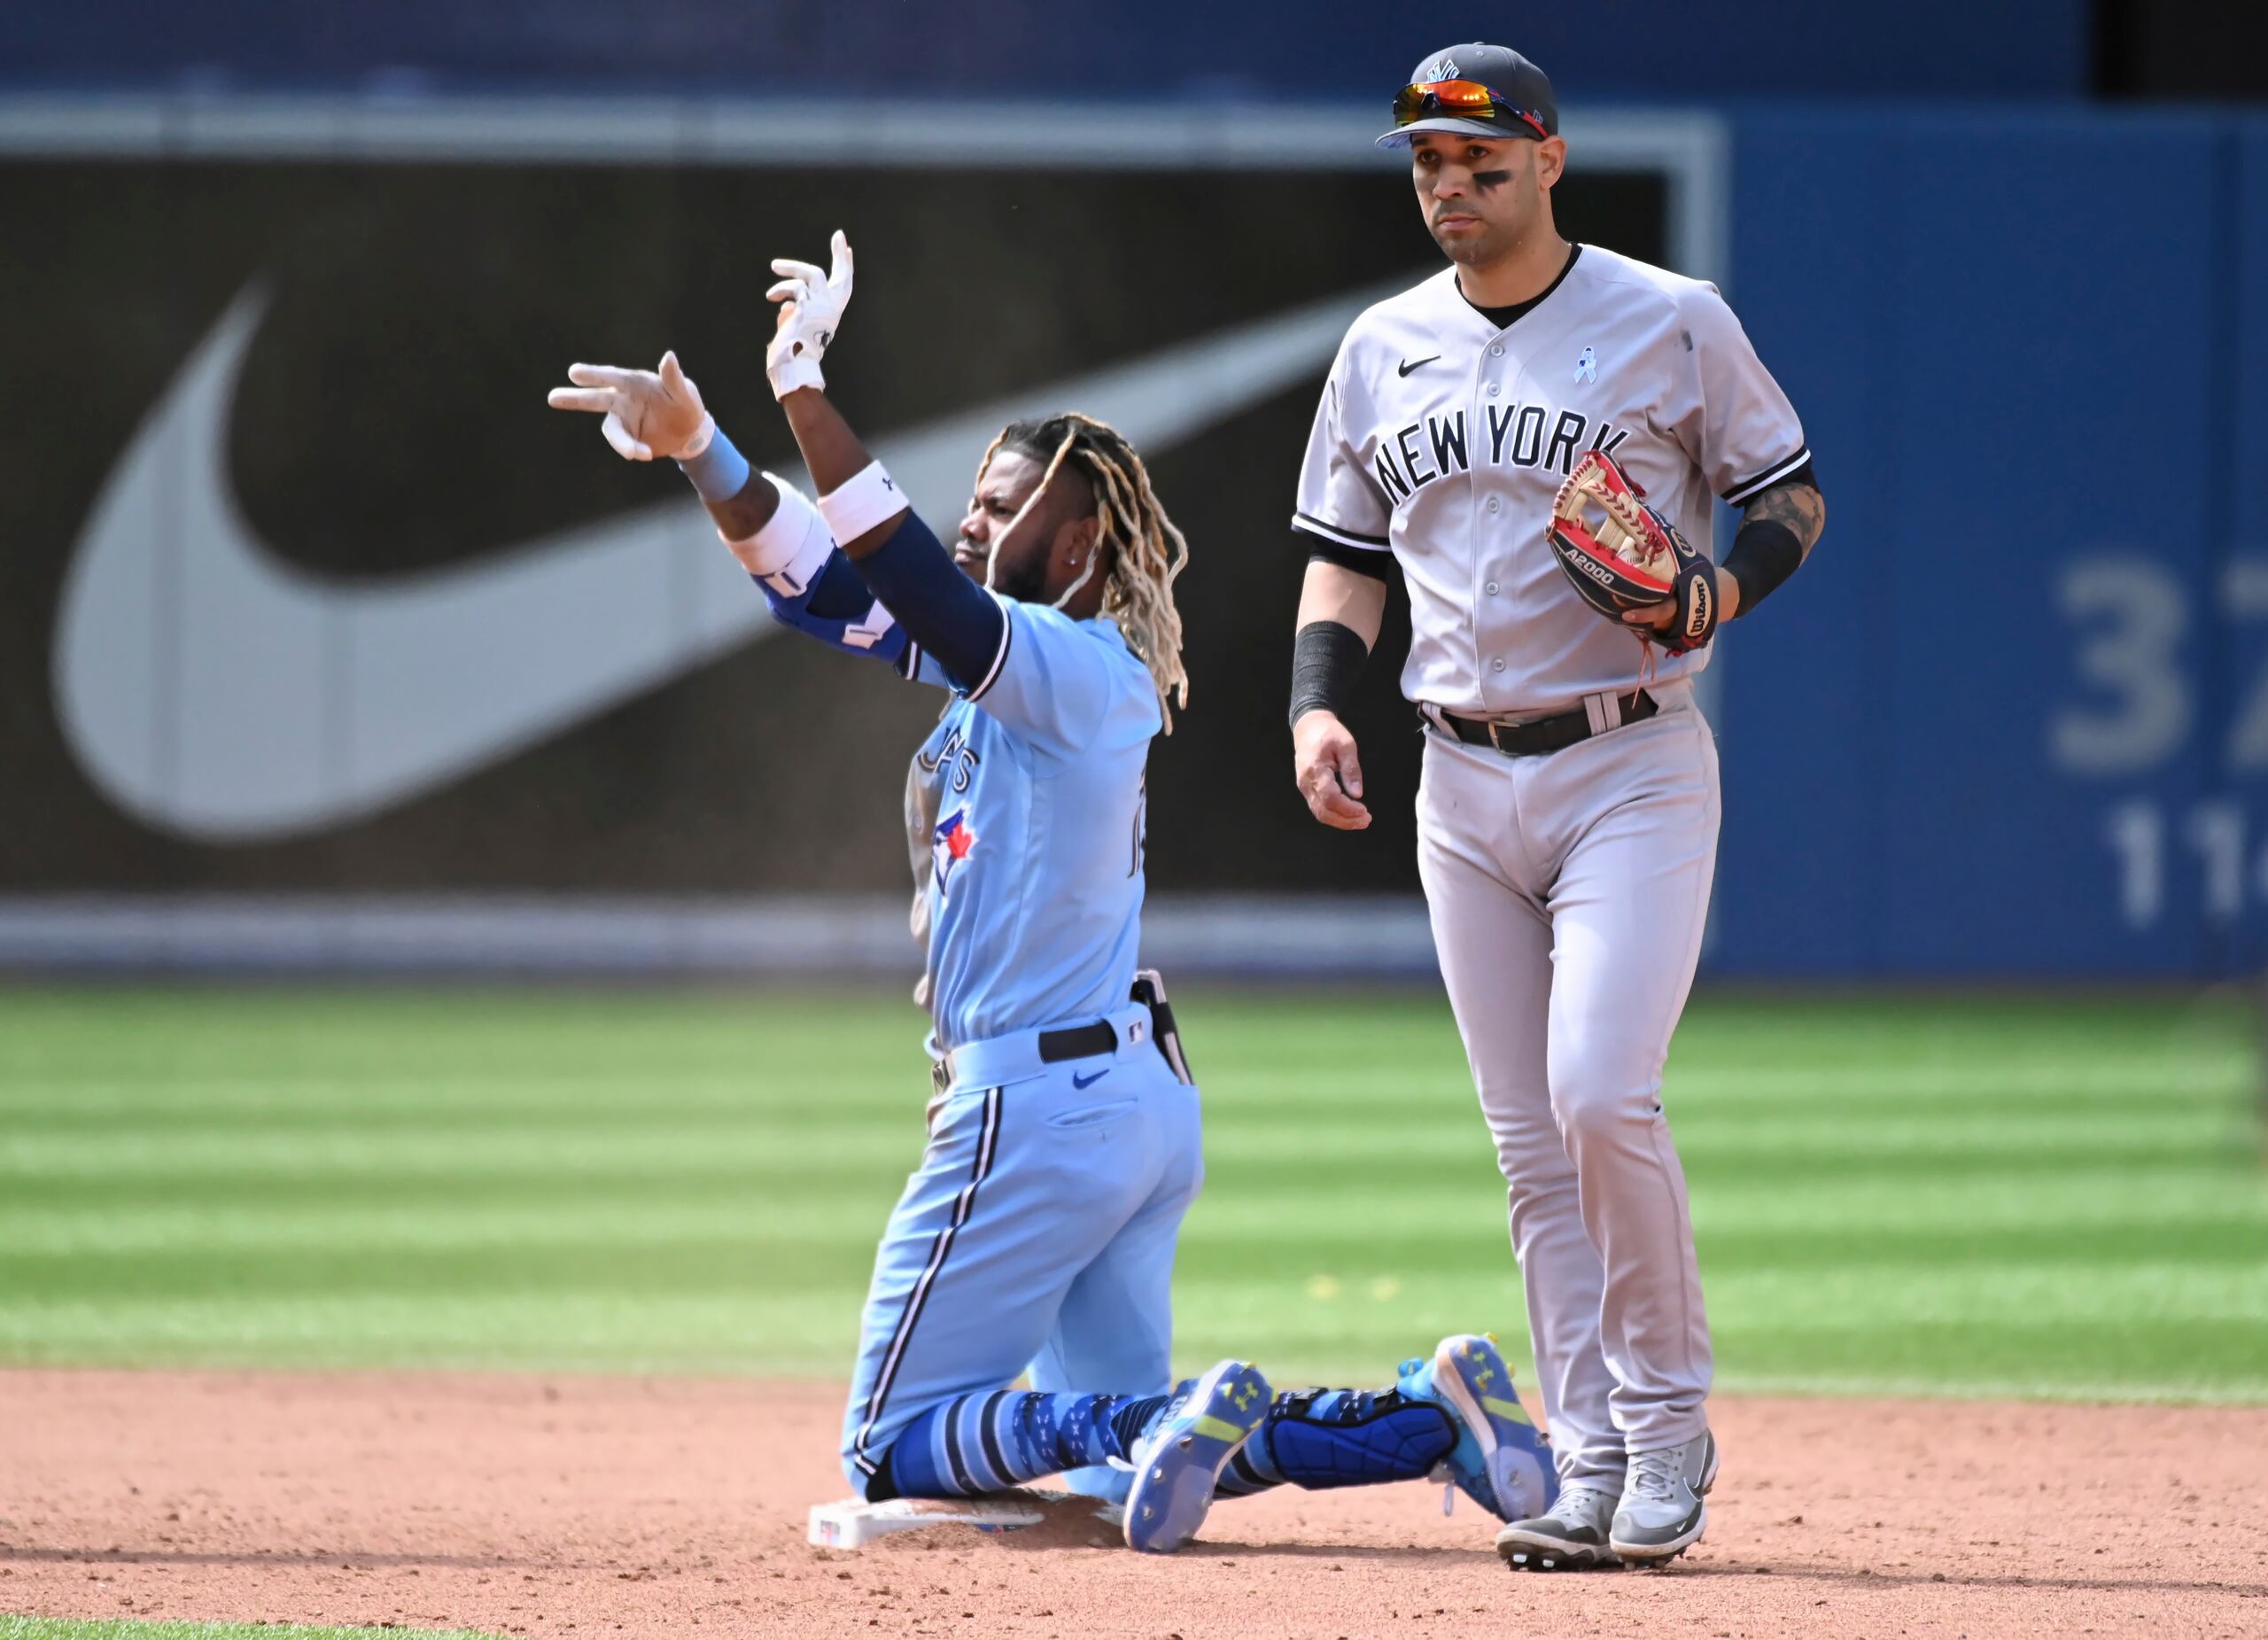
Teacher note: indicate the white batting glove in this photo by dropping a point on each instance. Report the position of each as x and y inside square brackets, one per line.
[649, 415]
[811, 312]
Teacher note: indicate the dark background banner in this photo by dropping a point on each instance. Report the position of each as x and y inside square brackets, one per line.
[389, 422]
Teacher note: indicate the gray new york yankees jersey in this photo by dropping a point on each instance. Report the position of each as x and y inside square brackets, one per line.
[1442, 438]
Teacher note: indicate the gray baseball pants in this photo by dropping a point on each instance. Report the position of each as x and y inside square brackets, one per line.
[1568, 893]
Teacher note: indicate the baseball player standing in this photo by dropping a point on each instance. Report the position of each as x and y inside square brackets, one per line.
[1568, 809]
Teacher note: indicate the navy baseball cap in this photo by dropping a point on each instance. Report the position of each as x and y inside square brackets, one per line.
[1482, 90]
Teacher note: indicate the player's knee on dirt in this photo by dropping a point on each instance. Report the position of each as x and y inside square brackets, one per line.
[1319, 1438]
[878, 1488]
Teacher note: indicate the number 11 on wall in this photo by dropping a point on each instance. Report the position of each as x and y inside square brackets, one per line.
[2213, 831]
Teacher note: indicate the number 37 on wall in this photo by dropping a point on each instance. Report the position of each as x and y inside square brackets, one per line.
[2134, 648]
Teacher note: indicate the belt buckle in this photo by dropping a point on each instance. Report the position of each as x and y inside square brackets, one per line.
[941, 1075]
[1496, 739]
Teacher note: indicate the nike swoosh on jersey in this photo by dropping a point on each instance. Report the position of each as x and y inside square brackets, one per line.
[1407, 367]
[1078, 1081]
[219, 694]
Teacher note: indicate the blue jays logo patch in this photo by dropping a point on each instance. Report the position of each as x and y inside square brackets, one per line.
[949, 845]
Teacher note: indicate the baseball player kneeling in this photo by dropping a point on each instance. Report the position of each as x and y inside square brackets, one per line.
[1037, 1233]
[1534, 436]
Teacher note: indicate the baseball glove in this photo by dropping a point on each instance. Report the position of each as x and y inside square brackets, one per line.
[1621, 556]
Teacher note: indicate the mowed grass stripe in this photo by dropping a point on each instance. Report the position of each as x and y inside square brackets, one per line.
[1287, 1187]
[623, 1328]
[785, 1145]
[2168, 1273]
[1448, 1114]
[382, 1179]
[177, 1253]
[2085, 1202]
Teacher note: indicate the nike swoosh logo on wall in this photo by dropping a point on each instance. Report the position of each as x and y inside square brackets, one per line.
[219, 694]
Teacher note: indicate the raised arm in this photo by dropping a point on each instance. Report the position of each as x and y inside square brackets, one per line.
[959, 624]
[771, 529]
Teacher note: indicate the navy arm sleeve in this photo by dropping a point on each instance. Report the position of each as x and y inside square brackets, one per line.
[840, 594]
[957, 623]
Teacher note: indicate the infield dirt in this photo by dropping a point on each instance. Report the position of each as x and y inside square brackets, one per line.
[603, 1506]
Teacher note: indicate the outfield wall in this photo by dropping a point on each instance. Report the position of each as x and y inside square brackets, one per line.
[2014, 717]
[292, 664]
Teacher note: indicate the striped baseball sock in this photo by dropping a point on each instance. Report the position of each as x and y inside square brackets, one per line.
[1250, 1469]
[980, 1443]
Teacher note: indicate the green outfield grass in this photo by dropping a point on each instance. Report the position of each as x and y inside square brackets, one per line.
[71, 1628]
[2059, 1197]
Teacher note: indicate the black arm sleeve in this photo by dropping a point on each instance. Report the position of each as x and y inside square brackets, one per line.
[1764, 553]
[1327, 657]
[958, 622]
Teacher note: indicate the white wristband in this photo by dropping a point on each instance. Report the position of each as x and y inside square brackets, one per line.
[791, 549]
[866, 498]
[798, 369]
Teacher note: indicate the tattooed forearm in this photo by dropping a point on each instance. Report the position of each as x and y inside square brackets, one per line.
[1776, 533]
[1800, 506]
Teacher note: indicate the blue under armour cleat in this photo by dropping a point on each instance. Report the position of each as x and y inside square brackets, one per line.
[1177, 1463]
[1500, 1460]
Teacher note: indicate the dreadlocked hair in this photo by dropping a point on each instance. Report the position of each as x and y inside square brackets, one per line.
[1145, 551]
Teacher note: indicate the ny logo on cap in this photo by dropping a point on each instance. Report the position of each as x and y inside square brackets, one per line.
[1441, 68]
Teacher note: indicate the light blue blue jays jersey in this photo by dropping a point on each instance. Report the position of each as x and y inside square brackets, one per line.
[1032, 790]
[1036, 1236]
[1025, 807]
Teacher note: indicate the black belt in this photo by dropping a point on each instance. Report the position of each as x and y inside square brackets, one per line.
[1092, 1041]
[1541, 735]
[1055, 1046]
[1078, 1042]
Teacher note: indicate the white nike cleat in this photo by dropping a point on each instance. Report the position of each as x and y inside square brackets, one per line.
[1662, 1514]
[1574, 1537]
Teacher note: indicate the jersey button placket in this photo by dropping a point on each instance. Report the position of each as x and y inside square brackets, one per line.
[1503, 605]
[1487, 548]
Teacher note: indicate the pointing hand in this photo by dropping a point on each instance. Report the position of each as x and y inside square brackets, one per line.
[649, 415]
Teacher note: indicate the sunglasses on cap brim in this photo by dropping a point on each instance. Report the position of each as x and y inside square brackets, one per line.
[1464, 99]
